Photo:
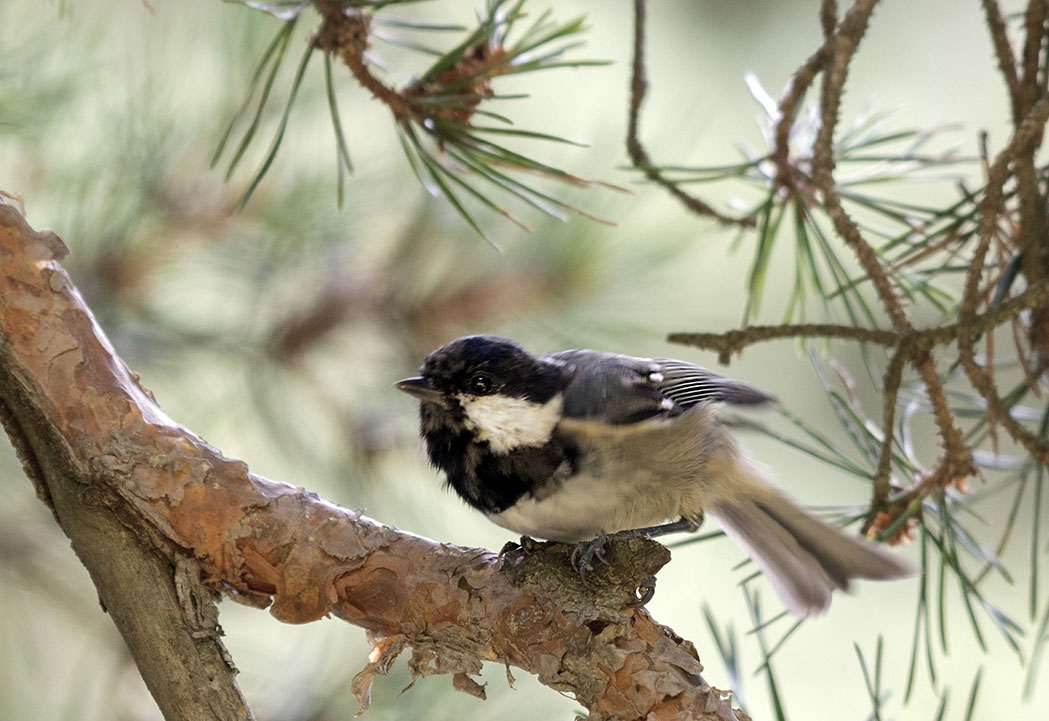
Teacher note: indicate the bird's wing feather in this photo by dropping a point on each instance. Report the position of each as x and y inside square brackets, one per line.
[689, 384]
[623, 389]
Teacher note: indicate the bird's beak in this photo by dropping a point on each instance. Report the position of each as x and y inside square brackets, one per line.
[421, 389]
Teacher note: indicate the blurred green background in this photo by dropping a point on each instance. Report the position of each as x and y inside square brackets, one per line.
[276, 332]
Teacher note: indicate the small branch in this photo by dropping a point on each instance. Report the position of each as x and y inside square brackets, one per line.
[638, 155]
[345, 32]
[734, 341]
[1033, 297]
[788, 110]
[799, 85]
[997, 410]
[1004, 52]
[957, 460]
[913, 343]
[1034, 28]
[892, 381]
[850, 231]
[1032, 226]
[914, 347]
[828, 17]
[435, 113]
[110, 456]
[842, 47]
[1028, 132]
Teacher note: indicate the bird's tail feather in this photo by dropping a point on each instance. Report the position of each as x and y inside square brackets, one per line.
[804, 558]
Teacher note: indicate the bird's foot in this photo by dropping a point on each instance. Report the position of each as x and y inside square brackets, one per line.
[527, 544]
[588, 554]
[584, 553]
[624, 564]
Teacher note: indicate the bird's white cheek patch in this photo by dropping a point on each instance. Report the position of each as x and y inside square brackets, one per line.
[509, 423]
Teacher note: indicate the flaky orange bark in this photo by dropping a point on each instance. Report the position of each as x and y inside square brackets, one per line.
[75, 411]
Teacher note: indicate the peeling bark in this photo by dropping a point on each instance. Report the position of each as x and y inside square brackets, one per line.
[147, 503]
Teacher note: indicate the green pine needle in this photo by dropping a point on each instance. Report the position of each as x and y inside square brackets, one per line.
[451, 156]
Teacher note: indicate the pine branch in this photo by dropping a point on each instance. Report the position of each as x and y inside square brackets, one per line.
[435, 114]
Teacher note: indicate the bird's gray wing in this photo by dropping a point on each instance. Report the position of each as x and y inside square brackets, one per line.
[623, 389]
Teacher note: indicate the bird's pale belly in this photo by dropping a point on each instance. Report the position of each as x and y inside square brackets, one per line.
[585, 507]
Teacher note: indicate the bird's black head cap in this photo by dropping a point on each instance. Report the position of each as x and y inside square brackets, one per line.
[483, 364]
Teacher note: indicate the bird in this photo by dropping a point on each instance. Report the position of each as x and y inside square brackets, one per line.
[580, 446]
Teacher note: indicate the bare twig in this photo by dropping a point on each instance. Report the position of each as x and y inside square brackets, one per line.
[1004, 52]
[1034, 29]
[1031, 208]
[891, 387]
[1027, 135]
[913, 343]
[913, 347]
[638, 155]
[788, 110]
[957, 462]
[842, 47]
[799, 85]
[734, 341]
[345, 32]
[828, 17]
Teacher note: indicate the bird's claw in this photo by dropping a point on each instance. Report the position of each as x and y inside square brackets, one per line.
[645, 591]
[526, 545]
[529, 544]
[583, 555]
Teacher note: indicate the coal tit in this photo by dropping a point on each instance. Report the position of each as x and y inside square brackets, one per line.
[573, 445]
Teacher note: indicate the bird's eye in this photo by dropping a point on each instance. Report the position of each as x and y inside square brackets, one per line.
[481, 384]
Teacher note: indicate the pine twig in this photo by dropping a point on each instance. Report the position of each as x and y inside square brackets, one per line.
[638, 155]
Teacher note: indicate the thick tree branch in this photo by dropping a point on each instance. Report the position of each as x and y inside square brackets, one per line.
[151, 589]
[150, 505]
